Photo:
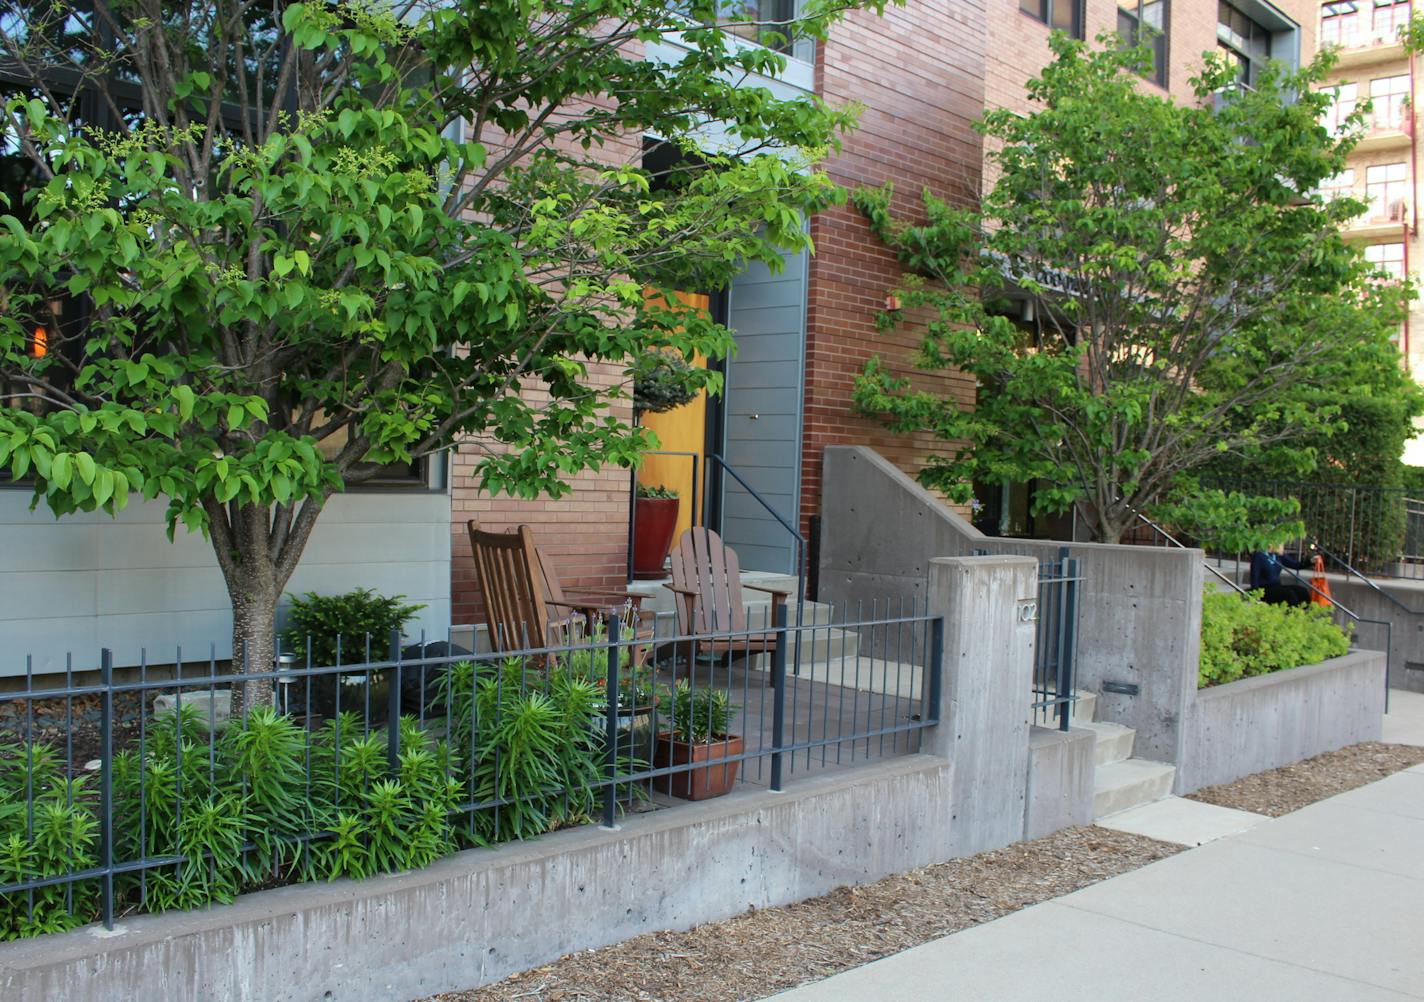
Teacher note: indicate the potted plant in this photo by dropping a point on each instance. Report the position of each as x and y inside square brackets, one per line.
[662, 381]
[638, 691]
[654, 522]
[700, 719]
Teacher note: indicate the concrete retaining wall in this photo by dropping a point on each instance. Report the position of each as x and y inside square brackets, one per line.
[1060, 781]
[1141, 606]
[1268, 721]
[481, 915]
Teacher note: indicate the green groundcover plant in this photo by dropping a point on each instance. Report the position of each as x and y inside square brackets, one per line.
[1243, 636]
[266, 801]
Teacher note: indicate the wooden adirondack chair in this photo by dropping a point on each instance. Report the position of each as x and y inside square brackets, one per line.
[707, 585]
[525, 603]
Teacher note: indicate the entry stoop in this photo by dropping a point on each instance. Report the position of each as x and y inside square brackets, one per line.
[1120, 786]
[1120, 782]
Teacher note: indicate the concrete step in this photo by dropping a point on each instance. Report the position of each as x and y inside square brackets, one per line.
[1112, 742]
[864, 674]
[1085, 706]
[660, 599]
[1119, 786]
[818, 647]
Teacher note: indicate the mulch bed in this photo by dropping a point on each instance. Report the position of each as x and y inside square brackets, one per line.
[1289, 788]
[765, 951]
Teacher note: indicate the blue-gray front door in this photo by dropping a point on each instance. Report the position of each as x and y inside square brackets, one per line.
[761, 434]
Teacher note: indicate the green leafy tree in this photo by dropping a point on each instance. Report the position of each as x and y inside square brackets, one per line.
[310, 239]
[1193, 298]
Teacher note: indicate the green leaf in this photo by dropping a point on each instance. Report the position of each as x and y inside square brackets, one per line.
[84, 465]
[60, 471]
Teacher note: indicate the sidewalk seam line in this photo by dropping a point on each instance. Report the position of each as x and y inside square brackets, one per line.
[1233, 949]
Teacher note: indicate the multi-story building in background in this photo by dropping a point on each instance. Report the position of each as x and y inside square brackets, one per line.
[1180, 33]
[1372, 66]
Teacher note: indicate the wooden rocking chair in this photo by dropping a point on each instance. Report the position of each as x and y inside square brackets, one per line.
[525, 603]
[707, 585]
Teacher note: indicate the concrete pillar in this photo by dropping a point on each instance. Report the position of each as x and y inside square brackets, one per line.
[990, 608]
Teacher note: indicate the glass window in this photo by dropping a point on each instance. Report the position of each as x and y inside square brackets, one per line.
[1344, 97]
[1387, 18]
[766, 22]
[1245, 42]
[1387, 190]
[1339, 24]
[1146, 22]
[1389, 96]
[1062, 15]
[1389, 258]
[1342, 185]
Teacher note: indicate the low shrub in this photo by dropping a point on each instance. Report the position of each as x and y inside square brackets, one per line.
[268, 801]
[353, 628]
[339, 627]
[1243, 636]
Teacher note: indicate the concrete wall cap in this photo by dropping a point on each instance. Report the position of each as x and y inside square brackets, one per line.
[1287, 676]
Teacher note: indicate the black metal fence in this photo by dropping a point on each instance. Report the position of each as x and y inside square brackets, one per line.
[144, 789]
[1056, 641]
[1378, 530]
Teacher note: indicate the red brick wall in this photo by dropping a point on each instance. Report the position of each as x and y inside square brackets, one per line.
[918, 72]
[585, 531]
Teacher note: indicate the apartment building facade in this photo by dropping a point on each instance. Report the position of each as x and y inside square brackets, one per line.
[922, 74]
[1372, 66]
[802, 333]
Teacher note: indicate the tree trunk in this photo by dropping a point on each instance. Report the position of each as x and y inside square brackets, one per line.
[257, 547]
[254, 622]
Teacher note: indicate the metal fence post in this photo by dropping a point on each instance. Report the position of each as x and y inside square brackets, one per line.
[936, 668]
[610, 792]
[393, 704]
[1350, 550]
[778, 699]
[106, 783]
[1068, 626]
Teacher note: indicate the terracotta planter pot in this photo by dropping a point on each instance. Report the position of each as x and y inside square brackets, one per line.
[713, 780]
[654, 522]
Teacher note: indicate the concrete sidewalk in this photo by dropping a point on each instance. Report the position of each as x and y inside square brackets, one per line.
[1323, 904]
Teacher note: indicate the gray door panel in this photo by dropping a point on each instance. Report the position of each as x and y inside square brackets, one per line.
[763, 403]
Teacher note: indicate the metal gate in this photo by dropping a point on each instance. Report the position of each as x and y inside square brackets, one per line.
[1056, 647]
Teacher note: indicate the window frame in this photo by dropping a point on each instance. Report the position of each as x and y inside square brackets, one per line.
[1047, 10]
[1395, 25]
[1339, 186]
[1243, 48]
[1378, 192]
[1334, 117]
[1395, 100]
[1335, 12]
[1384, 263]
[1160, 42]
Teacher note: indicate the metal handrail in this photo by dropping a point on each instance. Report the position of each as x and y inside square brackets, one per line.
[1183, 546]
[1350, 570]
[795, 535]
[1388, 626]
